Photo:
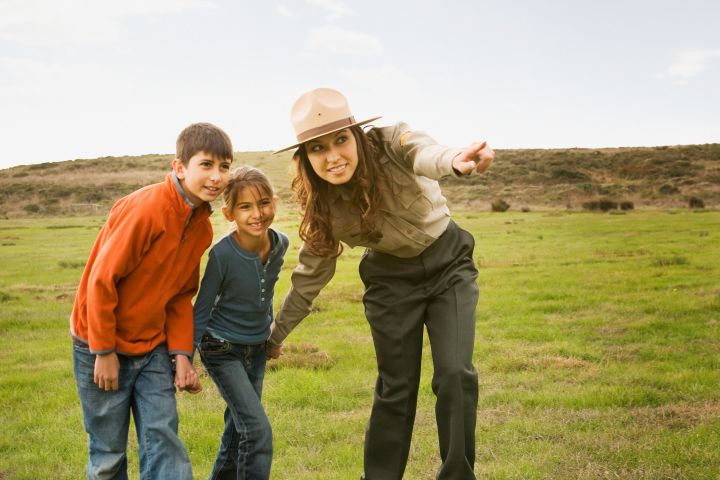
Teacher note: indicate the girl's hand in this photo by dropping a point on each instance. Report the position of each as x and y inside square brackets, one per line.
[186, 379]
[478, 156]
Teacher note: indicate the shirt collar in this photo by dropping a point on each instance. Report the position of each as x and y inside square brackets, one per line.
[336, 192]
[180, 190]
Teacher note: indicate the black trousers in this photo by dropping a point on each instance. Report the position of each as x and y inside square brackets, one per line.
[436, 290]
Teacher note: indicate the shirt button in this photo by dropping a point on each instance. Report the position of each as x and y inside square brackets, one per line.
[262, 280]
[262, 299]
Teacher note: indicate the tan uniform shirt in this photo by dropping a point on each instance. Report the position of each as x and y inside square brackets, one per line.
[413, 215]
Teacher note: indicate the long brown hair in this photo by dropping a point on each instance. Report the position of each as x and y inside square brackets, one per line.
[311, 194]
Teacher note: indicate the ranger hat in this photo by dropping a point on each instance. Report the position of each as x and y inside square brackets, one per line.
[319, 112]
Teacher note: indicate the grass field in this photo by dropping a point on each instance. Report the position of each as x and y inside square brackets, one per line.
[597, 347]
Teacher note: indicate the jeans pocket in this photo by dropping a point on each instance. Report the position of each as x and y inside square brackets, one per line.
[80, 346]
[210, 345]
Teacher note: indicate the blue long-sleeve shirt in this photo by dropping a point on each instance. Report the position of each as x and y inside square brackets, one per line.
[235, 302]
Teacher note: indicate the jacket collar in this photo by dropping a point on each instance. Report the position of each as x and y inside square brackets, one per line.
[183, 200]
[178, 187]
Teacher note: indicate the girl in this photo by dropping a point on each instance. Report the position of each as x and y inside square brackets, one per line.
[379, 189]
[233, 312]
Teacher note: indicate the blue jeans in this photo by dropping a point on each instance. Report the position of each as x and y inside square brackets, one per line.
[246, 445]
[146, 388]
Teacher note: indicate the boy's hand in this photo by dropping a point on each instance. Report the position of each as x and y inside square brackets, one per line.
[478, 156]
[107, 368]
[186, 379]
[272, 351]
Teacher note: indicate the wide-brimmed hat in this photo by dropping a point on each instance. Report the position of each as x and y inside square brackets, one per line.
[319, 112]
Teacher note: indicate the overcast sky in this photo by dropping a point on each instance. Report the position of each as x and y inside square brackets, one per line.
[89, 78]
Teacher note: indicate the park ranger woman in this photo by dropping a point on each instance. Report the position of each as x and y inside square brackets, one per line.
[378, 189]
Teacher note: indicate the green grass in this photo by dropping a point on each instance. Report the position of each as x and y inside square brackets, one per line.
[597, 347]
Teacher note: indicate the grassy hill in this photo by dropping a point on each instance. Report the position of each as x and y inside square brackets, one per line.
[658, 177]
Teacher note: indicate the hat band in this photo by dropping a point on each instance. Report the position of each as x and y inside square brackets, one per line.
[327, 128]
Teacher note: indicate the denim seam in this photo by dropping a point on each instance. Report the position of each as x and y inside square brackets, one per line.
[145, 444]
[242, 455]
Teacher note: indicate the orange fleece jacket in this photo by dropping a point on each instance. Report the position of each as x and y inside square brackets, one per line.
[137, 288]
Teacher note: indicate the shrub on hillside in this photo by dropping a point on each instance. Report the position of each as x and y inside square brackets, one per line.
[627, 205]
[603, 204]
[570, 176]
[695, 202]
[499, 205]
[92, 196]
[32, 208]
[667, 189]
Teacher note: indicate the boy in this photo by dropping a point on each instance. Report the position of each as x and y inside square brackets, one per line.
[133, 311]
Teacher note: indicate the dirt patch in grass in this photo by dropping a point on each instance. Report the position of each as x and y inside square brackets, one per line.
[348, 415]
[6, 297]
[545, 362]
[676, 416]
[670, 261]
[621, 353]
[61, 292]
[302, 355]
[350, 293]
[70, 264]
[553, 361]
[595, 471]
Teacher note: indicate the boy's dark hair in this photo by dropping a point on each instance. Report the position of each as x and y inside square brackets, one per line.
[203, 137]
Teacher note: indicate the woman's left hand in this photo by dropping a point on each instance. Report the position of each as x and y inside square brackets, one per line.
[272, 351]
[478, 156]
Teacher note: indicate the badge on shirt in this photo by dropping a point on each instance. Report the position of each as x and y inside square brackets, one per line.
[404, 138]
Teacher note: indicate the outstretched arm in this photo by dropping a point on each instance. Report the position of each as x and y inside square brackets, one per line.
[432, 160]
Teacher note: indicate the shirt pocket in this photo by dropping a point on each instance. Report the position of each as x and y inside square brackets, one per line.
[401, 238]
[347, 230]
[410, 193]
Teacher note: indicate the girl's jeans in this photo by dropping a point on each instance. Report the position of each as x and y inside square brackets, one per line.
[146, 388]
[246, 445]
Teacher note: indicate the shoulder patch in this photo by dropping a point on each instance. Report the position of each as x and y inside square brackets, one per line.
[404, 138]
